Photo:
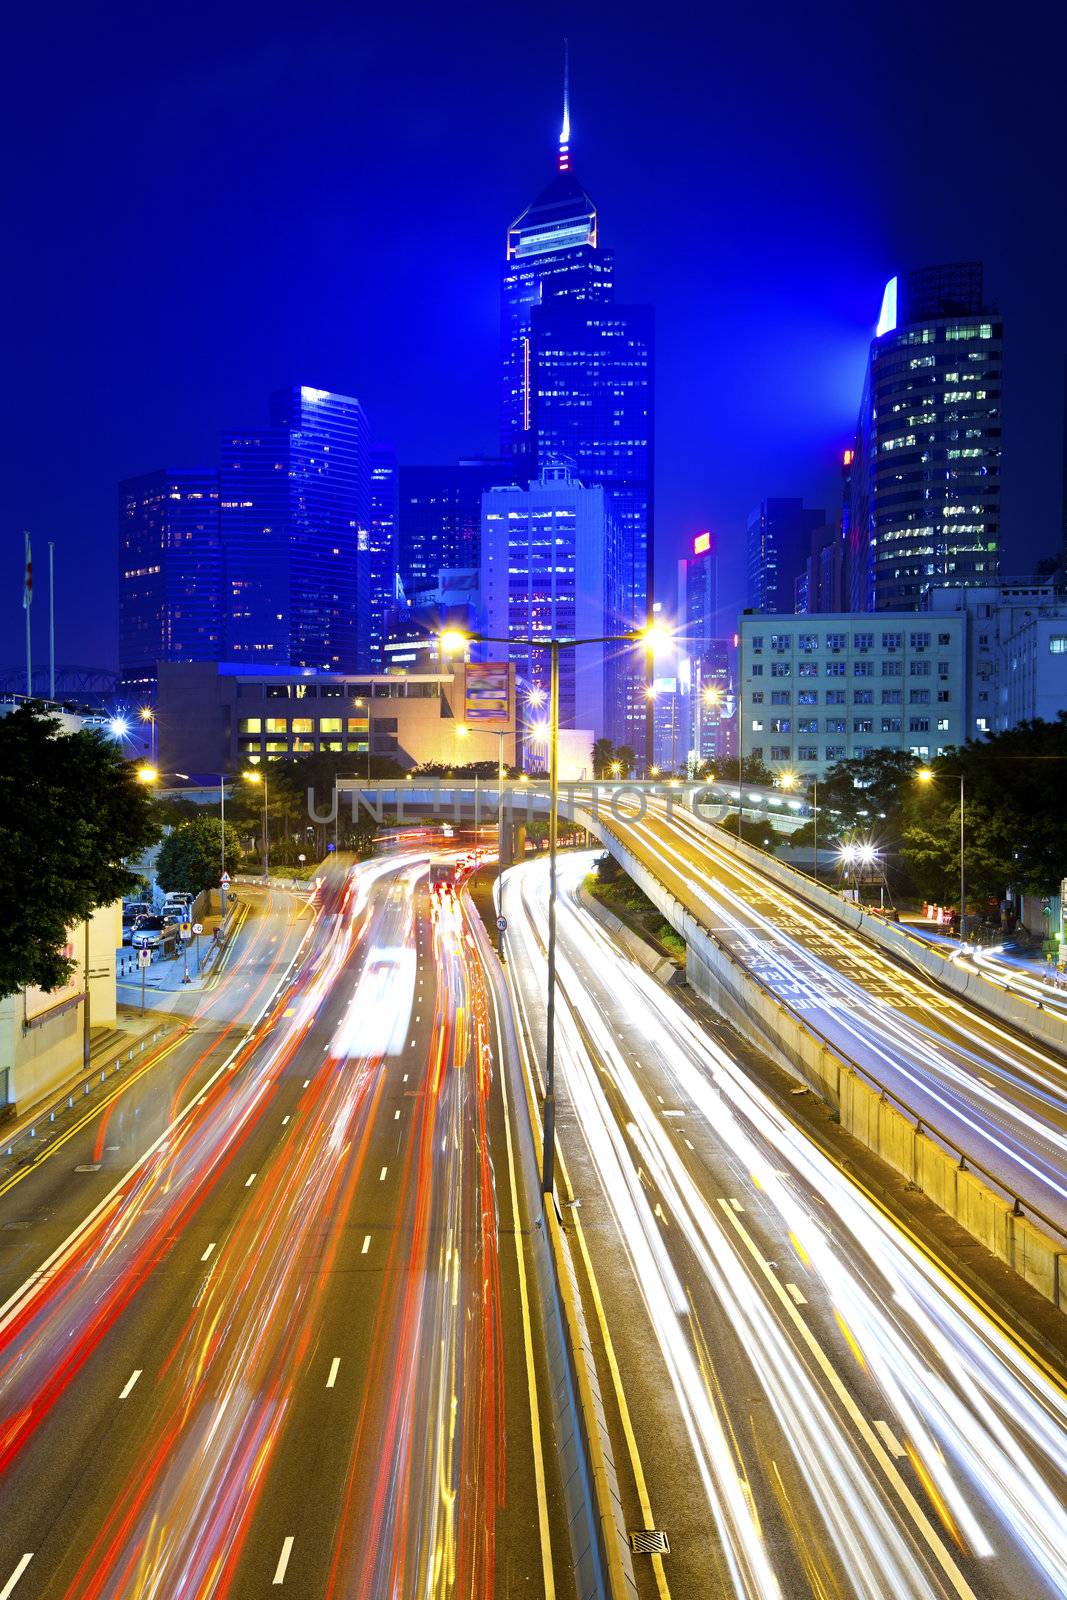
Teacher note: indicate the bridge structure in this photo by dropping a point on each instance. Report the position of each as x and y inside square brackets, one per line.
[513, 804]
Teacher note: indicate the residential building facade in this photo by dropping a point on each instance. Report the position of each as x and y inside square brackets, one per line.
[820, 689]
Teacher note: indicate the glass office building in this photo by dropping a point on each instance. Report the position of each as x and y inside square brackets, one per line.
[170, 574]
[295, 505]
[551, 568]
[779, 537]
[384, 547]
[925, 508]
[440, 511]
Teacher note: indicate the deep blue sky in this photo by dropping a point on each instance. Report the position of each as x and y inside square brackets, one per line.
[205, 203]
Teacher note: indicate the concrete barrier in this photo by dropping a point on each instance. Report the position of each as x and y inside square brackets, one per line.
[869, 1113]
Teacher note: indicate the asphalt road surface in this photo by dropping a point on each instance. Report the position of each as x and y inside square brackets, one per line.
[286, 1348]
[805, 1402]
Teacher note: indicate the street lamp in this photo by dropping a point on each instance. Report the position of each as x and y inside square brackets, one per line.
[254, 776]
[927, 775]
[149, 716]
[147, 774]
[451, 642]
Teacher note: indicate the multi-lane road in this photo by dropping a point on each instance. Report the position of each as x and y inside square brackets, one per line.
[998, 1096]
[805, 1403]
[281, 1342]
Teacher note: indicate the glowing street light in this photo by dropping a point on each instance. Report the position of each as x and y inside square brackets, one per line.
[253, 775]
[118, 727]
[453, 642]
[926, 776]
[147, 774]
[787, 780]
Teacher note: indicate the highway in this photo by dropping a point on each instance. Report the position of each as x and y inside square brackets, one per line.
[806, 1404]
[1000, 1098]
[287, 1348]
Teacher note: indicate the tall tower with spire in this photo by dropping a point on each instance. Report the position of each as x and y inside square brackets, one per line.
[577, 386]
[553, 252]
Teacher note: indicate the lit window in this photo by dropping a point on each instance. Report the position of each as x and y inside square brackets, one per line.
[1057, 645]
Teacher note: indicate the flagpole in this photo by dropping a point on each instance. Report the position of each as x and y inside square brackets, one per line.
[27, 597]
[51, 620]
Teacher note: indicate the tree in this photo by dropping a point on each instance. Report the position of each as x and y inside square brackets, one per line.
[190, 857]
[1015, 819]
[72, 811]
[603, 756]
[864, 796]
[753, 770]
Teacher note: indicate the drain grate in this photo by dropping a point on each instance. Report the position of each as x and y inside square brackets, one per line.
[650, 1542]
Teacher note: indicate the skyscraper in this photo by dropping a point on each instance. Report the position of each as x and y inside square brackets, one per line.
[384, 547]
[926, 479]
[170, 574]
[440, 518]
[578, 384]
[705, 676]
[295, 506]
[778, 547]
[551, 568]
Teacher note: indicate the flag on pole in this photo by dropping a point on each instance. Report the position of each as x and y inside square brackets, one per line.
[27, 588]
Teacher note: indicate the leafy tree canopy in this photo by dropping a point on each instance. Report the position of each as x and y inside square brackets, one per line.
[71, 812]
[190, 858]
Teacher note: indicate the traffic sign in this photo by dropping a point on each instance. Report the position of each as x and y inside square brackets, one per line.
[225, 877]
[198, 927]
[144, 957]
[502, 924]
[186, 929]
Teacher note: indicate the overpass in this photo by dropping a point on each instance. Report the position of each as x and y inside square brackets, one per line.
[959, 1087]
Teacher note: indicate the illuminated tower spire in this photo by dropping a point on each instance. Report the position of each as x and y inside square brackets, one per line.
[565, 130]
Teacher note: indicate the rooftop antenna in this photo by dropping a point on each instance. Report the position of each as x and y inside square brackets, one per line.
[565, 130]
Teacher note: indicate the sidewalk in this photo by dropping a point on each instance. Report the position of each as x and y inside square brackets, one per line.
[110, 1048]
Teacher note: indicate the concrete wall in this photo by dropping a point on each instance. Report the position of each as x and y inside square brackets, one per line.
[41, 1035]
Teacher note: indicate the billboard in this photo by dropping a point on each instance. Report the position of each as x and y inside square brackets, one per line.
[486, 694]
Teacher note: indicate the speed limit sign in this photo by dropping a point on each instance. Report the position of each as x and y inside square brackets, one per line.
[198, 927]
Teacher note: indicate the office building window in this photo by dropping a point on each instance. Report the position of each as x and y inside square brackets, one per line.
[807, 752]
[863, 697]
[890, 724]
[277, 724]
[780, 752]
[1057, 644]
[303, 725]
[250, 725]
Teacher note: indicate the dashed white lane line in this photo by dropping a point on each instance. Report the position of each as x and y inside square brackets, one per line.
[890, 1440]
[284, 1121]
[396, 1115]
[366, 1245]
[332, 1379]
[283, 1559]
[208, 1251]
[250, 1180]
[798, 1298]
[16, 1575]
[307, 1083]
[689, 1142]
[381, 1175]
[130, 1383]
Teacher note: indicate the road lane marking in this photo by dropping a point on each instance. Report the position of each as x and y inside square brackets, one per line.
[307, 1083]
[283, 1559]
[129, 1386]
[284, 1121]
[208, 1251]
[381, 1175]
[689, 1142]
[366, 1245]
[332, 1379]
[737, 1205]
[936, 1545]
[798, 1298]
[16, 1575]
[250, 1180]
[892, 1443]
[396, 1115]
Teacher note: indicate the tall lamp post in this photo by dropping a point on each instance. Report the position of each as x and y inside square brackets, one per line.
[927, 775]
[452, 641]
[150, 773]
[255, 776]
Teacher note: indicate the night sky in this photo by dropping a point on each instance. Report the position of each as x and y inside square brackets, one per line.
[203, 204]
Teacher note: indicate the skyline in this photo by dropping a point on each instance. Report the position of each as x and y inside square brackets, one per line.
[753, 401]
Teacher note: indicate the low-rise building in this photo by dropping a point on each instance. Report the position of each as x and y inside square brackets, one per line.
[215, 717]
[823, 688]
[1016, 666]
